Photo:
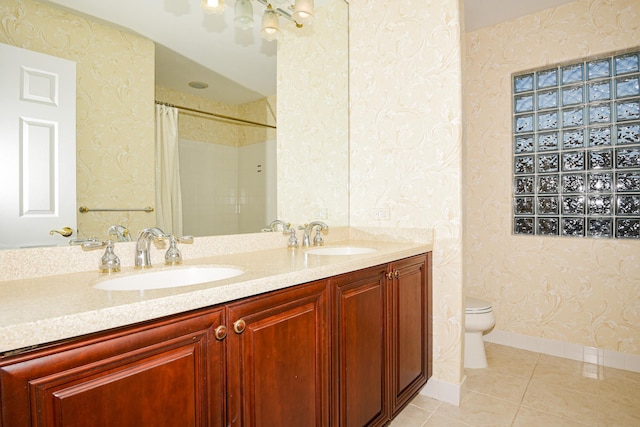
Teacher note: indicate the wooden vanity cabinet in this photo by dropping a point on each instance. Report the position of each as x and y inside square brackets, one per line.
[269, 366]
[165, 373]
[348, 351]
[381, 340]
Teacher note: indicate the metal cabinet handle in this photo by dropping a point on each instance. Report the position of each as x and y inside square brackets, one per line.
[221, 332]
[66, 231]
[396, 274]
[389, 276]
[239, 326]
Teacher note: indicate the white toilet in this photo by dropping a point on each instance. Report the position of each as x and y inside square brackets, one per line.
[478, 318]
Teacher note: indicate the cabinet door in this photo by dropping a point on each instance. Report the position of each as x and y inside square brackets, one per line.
[410, 320]
[169, 373]
[360, 340]
[277, 358]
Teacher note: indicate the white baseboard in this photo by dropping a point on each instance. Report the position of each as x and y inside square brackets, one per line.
[596, 356]
[444, 391]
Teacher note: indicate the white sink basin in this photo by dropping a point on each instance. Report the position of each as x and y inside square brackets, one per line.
[342, 250]
[170, 278]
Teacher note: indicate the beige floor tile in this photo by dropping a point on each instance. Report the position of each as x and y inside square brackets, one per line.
[425, 402]
[497, 384]
[512, 361]
[440, 421]
[562, 402]
[411, 416]
[620, 386]
[571, 374]
[531, 418]
[480, 410]
[613, 412]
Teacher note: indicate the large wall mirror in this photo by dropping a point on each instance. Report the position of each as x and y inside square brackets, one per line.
[123, 69]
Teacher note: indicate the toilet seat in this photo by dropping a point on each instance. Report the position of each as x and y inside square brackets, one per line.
[477, 306]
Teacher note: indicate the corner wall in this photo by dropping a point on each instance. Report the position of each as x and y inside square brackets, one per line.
[406, 140]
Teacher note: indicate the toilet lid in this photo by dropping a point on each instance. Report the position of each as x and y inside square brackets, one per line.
[477, 305]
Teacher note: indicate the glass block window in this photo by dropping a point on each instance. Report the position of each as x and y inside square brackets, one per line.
[576, 149]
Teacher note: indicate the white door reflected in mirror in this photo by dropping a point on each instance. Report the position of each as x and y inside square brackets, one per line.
[38, 128]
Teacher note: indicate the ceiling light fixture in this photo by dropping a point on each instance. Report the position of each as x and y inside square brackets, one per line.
[270, 24]
[244, 14]
[300, 12]
[215, 7]
[303, 11]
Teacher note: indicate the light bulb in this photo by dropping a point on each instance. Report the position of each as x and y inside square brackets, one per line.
[303, 11]
[215, 7]
[270, 25]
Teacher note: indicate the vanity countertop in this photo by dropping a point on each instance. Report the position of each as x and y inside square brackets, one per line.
[40, 310]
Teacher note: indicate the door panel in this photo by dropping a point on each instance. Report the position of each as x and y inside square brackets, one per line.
[166, 374]
[38, 148]
[151, 391]
[409, 318]
[360, 348]
[278, 365]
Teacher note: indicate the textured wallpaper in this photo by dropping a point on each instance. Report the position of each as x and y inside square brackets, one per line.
[115, 115]
[574, 290]
[406, 139]
[313, 137]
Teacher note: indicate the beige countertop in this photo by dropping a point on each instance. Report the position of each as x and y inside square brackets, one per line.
[44, 309]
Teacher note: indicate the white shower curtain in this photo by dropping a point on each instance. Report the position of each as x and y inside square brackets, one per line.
[168, 195]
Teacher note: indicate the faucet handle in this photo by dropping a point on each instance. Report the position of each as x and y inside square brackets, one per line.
[109, 263]
[79, 242]
[121, 232]
[185, 239]
[317, 239]
[293, 239]
[173, 255]
[89, 244]
[273, 226]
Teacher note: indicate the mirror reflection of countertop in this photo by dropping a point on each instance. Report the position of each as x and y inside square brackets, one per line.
[44, 309]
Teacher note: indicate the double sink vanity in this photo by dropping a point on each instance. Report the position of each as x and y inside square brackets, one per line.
[337, 335]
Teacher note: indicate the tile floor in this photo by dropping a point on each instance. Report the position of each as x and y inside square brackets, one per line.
[522, 388]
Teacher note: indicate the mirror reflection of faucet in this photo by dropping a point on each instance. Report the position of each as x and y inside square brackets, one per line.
[287, 230]
[273, 226]
[121, 232]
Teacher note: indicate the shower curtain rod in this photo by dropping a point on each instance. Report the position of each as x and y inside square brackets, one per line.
[219, 116]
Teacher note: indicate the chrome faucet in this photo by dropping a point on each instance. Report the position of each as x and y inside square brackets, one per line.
[308, 228]
[146, 236]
